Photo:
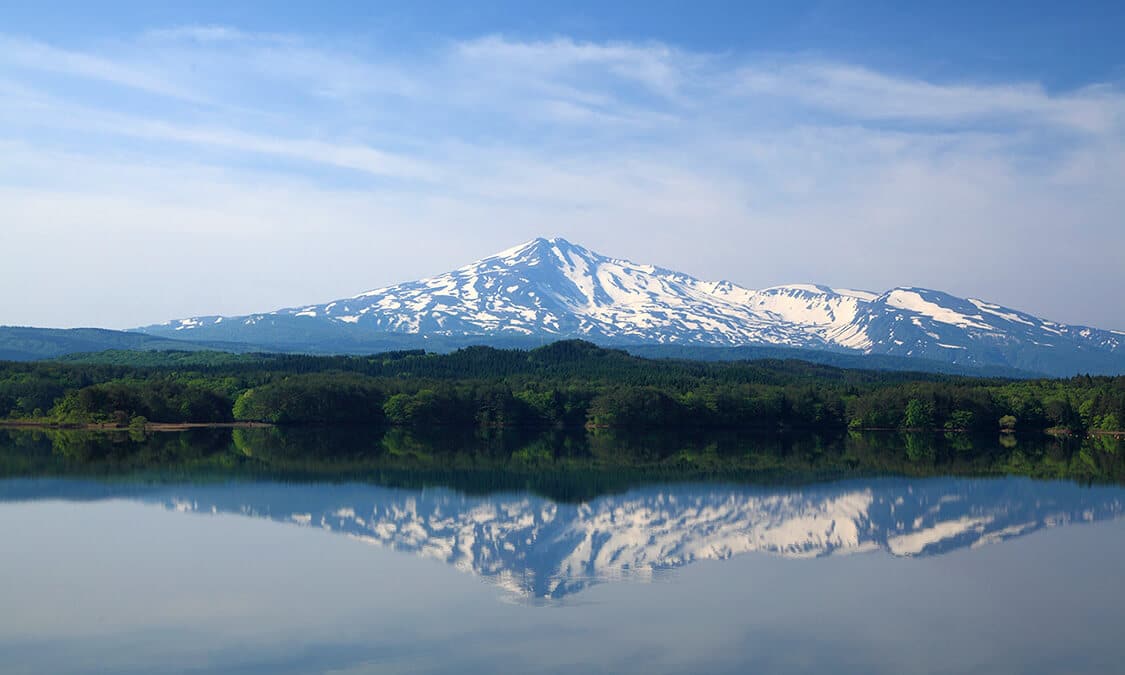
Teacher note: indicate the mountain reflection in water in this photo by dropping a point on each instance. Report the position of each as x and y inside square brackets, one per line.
[537, 548]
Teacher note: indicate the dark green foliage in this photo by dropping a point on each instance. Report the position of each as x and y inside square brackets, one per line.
[427, 407]
[918, 414]
[836, 359]
[313, 399]
[563, 385]
[158, 399]
[636, 408]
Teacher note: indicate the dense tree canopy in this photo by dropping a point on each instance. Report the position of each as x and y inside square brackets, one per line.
[564, 385]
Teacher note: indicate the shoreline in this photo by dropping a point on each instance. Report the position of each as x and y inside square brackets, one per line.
[150, 426]
[186, 426]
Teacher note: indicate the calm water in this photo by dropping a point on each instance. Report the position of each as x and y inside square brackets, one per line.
[140, 572]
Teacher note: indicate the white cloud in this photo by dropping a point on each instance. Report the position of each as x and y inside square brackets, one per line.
[761, 170]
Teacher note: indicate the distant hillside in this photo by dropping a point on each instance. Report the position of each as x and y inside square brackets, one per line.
[96, 345]
[18, 343]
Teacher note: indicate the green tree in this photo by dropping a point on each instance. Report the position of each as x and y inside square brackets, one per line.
[961, 419]
[918, 415]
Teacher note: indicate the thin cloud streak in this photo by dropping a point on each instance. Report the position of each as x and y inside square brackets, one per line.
[38, 56]
[864, 94]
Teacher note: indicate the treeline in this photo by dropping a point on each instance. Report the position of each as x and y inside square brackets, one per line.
[344, 398]
[564, 385]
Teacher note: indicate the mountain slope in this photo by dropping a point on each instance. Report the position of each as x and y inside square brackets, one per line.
[551, 289]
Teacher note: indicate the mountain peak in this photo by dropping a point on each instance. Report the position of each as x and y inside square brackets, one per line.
[553, 249]
[558, 242]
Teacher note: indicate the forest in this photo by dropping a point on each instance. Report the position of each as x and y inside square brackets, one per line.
[564, 385]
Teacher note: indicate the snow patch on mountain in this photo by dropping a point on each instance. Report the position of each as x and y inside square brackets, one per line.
[912, 300]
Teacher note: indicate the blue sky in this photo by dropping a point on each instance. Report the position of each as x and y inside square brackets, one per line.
[163, 160]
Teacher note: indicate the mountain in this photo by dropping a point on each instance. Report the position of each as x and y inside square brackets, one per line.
[537, 548]
[549, 289]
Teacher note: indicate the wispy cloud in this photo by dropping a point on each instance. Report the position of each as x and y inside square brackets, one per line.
[204, 33]
[658, 68]
[759, 168]
[31, 55]
[864, 94]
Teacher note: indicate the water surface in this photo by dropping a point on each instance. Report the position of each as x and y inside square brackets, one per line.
[147, 572]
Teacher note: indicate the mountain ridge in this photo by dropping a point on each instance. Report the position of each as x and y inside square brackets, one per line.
[554, 289]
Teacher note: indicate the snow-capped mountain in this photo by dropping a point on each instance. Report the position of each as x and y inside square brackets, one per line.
[553, 289]
[537, 548]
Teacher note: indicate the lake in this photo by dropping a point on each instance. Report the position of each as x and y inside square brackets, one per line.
[209, 552]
